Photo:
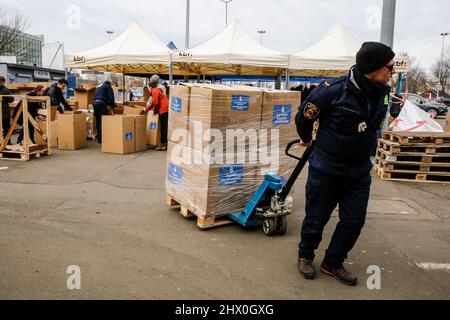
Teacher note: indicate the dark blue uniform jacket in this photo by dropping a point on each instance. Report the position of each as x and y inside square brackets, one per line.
[105, 94]
[349, 120]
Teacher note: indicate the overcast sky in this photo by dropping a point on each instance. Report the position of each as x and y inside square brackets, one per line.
[290, 24]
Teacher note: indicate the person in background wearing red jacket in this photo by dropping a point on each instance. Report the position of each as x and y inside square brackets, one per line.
[159, 103]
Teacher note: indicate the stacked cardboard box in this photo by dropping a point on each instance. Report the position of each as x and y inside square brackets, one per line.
[198, 176]
[278, 117]
[214, 109]
[179, 104]
[206, 181]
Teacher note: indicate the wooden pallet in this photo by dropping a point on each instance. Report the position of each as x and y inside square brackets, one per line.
[417, 137]
[20, 156]
[413, 157]
[412, 176]
[203, 223]
[423, 148]
[413, 166]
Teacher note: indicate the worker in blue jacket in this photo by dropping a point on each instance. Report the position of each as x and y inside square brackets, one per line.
[350, 111]
[104, 97]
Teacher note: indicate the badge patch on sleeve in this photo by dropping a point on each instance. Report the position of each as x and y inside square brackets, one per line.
[311, 111]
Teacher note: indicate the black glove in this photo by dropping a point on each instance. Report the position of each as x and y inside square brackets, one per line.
[68, 108]
[60, 110]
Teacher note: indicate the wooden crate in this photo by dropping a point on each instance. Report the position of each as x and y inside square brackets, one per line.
[28, 151]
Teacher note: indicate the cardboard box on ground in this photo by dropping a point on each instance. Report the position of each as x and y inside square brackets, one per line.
[219, 189]
[124, 134]
[72, 131]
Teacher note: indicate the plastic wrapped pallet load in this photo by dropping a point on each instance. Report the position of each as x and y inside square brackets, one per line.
[214, 164]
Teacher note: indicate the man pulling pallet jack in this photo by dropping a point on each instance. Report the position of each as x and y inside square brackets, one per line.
[351, 111]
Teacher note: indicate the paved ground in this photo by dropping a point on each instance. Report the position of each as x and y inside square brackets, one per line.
[107, 214]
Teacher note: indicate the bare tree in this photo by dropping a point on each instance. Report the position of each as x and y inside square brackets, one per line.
[10, 29]
[417, 76]
[444, 67]
[417, 79]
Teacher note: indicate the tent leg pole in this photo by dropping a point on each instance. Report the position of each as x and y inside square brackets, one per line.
[171, 73]
[287, 80]
[278, 82]
[123, 88]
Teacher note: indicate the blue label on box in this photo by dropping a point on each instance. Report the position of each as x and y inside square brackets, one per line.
[129, 136]
[175, 174]
[176, 104]
[231, 175]
[282, 114]
[153, 125]
[240, 103]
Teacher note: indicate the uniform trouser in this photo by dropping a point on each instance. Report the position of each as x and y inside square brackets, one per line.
[164, 120]
[323, 194]
[30, 131]
[100, 109]
[30, 127]
[6, 124]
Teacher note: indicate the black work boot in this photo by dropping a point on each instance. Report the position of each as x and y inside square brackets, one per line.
[306, 268]
[341, 274]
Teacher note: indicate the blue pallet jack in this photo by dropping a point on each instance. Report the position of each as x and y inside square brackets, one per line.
[270, 204]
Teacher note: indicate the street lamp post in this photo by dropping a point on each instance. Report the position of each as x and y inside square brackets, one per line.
[188, 9]
[226, 10]
[109, 32]
[444, 34]
[262, 32]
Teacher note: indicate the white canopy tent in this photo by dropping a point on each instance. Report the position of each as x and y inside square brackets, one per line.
[333, 55]
[135, 51]
[231, 51]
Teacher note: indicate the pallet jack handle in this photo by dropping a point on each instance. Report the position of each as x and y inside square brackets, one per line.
[298, 169]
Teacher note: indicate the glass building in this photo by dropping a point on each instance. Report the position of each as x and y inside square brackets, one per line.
[27, 48]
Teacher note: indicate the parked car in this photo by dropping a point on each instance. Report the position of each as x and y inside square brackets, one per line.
[434, 108]
[446, 101]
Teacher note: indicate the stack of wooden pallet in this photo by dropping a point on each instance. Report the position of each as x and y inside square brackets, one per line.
[414, 157]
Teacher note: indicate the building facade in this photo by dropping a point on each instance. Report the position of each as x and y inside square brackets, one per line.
[20, 73]
[26, 48]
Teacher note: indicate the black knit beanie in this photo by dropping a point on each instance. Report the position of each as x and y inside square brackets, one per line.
[373, 56]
